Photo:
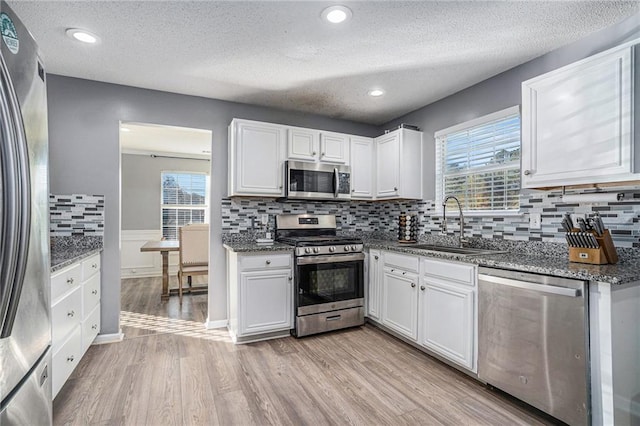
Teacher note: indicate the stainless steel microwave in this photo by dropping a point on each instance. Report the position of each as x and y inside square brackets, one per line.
[312, 181]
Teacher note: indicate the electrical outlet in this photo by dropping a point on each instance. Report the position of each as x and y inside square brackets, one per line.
[265, 219]
[535, 221]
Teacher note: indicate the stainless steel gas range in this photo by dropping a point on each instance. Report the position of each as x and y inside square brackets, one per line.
[329, 273]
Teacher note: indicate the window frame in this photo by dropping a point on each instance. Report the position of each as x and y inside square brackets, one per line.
[207, 199]
[467, 125]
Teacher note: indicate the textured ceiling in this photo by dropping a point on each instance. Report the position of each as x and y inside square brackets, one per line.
[281, 54]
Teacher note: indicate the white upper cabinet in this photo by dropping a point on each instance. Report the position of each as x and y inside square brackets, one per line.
[577, 122]
[362, 168]
[317, 146]
[399, 165]
[256, 157]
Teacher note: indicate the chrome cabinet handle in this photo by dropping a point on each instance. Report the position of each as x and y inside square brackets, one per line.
[70, 280]
[94, 327]
[527, 172]
[94, 291]
[322, 155]
[403, 272]
[94, 266]
[70, 358]
[290, 278]
[313, 153]
[353, 190]
[268, 262]
[413, 285]
[392, 270]
[422, 287]
[70, 314]
[280, 187]
[375, 257]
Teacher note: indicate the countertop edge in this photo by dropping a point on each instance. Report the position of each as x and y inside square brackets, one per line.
[75, 259]
[257, 247]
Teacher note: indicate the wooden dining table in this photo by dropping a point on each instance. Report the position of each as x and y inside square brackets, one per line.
[164, 247]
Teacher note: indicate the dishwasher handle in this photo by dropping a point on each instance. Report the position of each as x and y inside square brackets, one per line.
[541, 288]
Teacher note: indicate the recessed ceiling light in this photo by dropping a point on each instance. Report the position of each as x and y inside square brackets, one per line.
[376, 92]
[336, 14]
[82, 35]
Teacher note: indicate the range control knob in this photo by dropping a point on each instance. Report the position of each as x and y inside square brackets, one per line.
[346, 248]
[353, 248]
[316, 249]
[332, 249]
[307, 250]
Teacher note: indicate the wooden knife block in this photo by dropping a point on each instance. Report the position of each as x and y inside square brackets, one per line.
[602, 255]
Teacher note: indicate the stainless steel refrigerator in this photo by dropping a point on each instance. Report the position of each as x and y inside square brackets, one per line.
[25, 326]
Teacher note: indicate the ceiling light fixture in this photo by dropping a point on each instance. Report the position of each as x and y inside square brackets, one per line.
[82, 35]
[336, 14]
[376, 93]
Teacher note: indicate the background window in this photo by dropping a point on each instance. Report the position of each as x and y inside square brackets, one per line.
[479, 162]
[185, 199]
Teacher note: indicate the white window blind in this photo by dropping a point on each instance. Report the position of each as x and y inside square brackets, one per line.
[479, 162]
[185, 200]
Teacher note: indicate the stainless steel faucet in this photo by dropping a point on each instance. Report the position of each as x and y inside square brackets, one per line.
[444, 218]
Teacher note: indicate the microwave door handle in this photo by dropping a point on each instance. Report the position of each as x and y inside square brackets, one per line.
[336, 182]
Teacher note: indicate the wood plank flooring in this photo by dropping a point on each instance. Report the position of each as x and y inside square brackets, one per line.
[169, 370]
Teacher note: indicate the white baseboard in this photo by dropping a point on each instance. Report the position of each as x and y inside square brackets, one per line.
[102, 339]
[215, 324]
[134, 263]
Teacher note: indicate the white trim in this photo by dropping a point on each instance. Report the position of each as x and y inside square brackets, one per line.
[209, 325]
[102, 339]
[479, 121]
[178, 155]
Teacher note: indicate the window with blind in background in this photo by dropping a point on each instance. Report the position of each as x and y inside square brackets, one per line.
[184, 201]
[479, 162]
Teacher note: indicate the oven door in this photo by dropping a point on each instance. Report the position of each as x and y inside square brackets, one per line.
[330, 282]
[317, 181]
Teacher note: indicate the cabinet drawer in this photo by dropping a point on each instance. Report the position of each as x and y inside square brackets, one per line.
[90, 328]
[274, 261]
[65, 281]
[66, 359]
[402, 261]
[65, 315]
[90, 266]
[90, 294]
[455, 272]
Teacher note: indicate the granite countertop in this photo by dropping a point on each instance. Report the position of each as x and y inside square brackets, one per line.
[625, 271]
[247, 246]
[66, 251]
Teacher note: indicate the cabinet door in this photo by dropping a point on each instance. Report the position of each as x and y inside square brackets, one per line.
[388, 165]
[447, 321]
[362, 174]
[577, 123]
[259, 159]
[266, 301]
[302, 144]
[400, 302]
[334, 148]
[374, 290]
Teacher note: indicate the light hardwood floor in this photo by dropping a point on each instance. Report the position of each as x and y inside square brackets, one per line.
[170, 370]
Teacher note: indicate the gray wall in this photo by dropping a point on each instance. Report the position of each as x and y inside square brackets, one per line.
[504, 90]
[140, 198]
[84, 156]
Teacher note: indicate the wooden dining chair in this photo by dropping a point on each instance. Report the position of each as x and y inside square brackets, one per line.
[194, 252]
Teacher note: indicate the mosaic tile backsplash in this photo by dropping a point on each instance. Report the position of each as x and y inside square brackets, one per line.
[76, 215]
[381, 218]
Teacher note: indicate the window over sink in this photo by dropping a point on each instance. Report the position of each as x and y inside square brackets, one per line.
[478, 161]
[185, 200]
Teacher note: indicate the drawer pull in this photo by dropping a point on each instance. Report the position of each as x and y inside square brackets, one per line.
[94, 291]
[422, 287]
[268, 262]
[290, 278]
[94, 327]
[70, 280]
[94, 266]
[413, 285]
[334, 318]
[70, 358]
[70, 314]
[403, 272]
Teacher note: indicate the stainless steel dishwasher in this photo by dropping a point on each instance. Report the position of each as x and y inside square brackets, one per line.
[533, 340]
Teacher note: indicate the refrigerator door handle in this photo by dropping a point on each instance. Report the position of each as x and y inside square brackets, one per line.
[16, 204]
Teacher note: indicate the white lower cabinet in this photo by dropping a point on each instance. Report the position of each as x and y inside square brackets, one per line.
[75, 316]
[434, 307]
[374, 285]
[260, 295]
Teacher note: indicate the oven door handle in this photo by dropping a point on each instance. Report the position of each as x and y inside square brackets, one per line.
[336, 182]
[335, 258]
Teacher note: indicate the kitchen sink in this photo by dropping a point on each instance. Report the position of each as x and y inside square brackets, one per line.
[465, 251]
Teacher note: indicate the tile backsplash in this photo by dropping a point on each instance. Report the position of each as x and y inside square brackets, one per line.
[381, 217]
[76, 215]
